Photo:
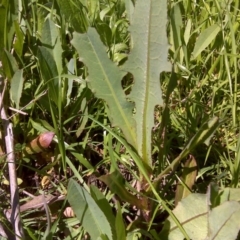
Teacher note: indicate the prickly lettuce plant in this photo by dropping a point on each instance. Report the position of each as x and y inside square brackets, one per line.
[134, 113]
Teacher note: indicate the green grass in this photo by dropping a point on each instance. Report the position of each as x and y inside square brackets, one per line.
[203, 84]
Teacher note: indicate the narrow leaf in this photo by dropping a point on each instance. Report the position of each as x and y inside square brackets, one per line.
[119, 225]
[205, 38]
[176, 25]
[205, 132]
[116, 183]
[16, 87]
[187, 180]
[18, 45]
[41, 125]
[73, 11]
[146, 61]
[70, 67]
[49, 71]
[3, 14]
[87, 211]
[9, 64]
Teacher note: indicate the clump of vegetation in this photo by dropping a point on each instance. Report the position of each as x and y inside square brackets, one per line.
[124, 117]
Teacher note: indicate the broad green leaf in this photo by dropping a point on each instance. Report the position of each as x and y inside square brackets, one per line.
[224, 221]
[224, 209]
[88, 212]
[41, 125]
[42, 12]
[192, 213]
[205, 38]
[201, 222]
[104, 206]
[51, 39]
[146, 61]
[17, 87]
[49, 33]
[105, 80]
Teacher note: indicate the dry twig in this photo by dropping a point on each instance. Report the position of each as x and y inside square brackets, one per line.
[8, 133]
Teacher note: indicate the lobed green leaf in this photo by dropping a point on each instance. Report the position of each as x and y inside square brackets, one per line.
[146, 61]
[105, 81]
